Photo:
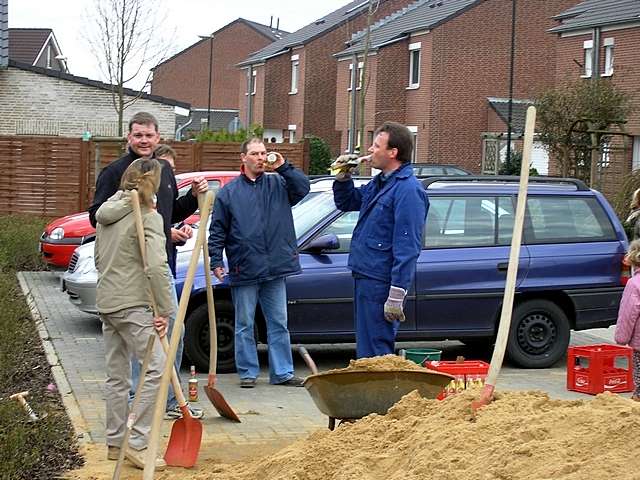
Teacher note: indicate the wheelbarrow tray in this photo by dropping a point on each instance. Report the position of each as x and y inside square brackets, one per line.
[356, 394]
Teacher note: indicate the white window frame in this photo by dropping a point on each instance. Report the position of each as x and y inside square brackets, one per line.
[292, 133]
[414, 134]
[254, 78]
[587, 47]
[360, 76]
[295, 73]
[413, 48]
[608, 57]
[48, 56]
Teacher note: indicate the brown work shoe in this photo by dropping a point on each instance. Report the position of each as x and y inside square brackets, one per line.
[247, 382]
[635, 398]
[137, 458]
[292, 382]
[113, 452]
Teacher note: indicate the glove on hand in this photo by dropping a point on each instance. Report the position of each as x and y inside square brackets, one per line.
[344, 166]
[394, 304]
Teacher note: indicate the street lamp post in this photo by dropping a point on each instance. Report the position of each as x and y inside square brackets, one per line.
[210, 37]
[511, 69]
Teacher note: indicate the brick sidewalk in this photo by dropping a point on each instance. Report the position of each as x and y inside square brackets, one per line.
[73, 341]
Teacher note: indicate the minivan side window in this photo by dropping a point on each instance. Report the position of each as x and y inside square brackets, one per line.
[468, 221]
[567, 220]
[342, 227]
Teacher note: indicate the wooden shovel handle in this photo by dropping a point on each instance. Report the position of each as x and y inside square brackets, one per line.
[211, 308]
[514, 255]
[134, 406]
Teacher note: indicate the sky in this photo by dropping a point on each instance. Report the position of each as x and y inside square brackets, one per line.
[185, 20]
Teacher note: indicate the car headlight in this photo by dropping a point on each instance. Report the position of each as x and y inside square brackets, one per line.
[86, 265]
[57, 234]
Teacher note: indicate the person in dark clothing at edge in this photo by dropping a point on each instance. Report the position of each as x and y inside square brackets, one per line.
[386, 240]
[252, 221]
[142, 139]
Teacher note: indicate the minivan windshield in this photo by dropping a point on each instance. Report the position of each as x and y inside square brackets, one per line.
[309, 212]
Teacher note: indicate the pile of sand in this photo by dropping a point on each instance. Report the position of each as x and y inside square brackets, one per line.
[521, 435]
[378, 364]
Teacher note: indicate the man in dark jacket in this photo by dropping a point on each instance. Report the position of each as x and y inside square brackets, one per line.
[252, 221]
[142, 140]
[386, 240]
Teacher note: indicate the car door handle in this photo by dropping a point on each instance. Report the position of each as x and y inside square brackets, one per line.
[503, 267]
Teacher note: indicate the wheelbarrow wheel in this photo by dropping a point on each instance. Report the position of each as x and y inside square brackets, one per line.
[196, 339]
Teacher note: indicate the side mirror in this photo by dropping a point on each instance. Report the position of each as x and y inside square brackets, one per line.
[328, 241]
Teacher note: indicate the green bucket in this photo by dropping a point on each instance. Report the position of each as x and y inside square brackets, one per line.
[419, 355]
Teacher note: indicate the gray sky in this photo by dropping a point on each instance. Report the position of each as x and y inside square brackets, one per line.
[187, 18]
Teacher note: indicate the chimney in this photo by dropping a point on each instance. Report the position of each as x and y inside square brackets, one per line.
[4, 34]
[271, 22]
[278, 23]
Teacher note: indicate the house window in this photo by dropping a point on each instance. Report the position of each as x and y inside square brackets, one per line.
[295, 64]
[414, 134]
[608, 57]
[292, 134]
[605, 155]
[254, 75]
[360, 72]
[49, 56]
[588, 58]
[635, 163]
[414, 65]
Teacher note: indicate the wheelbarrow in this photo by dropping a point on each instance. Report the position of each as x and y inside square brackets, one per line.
[351, 395]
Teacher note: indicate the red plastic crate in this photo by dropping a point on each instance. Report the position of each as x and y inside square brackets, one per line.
[465, 372]
[592, 369]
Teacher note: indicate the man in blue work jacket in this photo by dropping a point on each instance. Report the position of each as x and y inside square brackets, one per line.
[387, 239]
[252, 221]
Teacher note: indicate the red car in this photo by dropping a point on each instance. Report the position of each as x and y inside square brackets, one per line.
[61, 237]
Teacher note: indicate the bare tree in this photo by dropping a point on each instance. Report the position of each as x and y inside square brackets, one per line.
[126, 40]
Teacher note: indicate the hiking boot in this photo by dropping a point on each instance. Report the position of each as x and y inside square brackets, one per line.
[175, 413]
[247, 382]
[292, 382]
[113, 452]
[137, 458]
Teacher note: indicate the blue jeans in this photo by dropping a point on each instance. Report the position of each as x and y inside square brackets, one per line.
[272, 296]
[172, 402]
[374, 335]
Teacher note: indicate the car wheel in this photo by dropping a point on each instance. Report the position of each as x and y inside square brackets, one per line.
[196, 339]
[539, 334]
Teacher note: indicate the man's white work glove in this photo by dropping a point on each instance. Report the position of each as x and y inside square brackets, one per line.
[344, 166]
[394, 304]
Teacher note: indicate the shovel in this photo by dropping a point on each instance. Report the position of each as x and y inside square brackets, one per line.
[486, 394]
[134, 406]
[154, 439]
[213, 394]
[186, 432]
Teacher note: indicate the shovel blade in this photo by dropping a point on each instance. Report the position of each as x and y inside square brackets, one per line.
[220, 404]
[184, 442]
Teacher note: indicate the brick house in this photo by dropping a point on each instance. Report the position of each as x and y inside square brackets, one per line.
[441, 67]
[289, 85]
[601, 39]
[185, 75]
[42, 101]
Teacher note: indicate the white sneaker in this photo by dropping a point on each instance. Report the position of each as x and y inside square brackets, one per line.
[137, 457]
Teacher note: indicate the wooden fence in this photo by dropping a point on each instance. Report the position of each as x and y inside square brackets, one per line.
[55, 176]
